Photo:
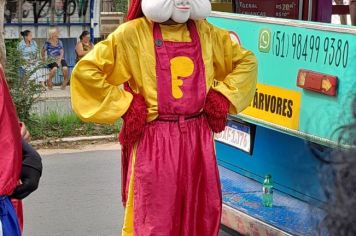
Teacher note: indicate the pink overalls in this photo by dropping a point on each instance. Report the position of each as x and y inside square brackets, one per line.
[176, 180]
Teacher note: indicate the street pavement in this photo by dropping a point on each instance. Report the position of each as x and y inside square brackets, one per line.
[79, 195]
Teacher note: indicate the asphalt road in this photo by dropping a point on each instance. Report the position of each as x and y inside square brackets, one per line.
[79, 195]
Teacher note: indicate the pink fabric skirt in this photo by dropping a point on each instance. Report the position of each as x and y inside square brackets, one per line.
[176, 180]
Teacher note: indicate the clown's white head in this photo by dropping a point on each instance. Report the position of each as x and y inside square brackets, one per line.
[178, 10]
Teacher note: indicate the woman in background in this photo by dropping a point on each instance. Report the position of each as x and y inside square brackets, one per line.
[83, 46]
[54, 49]
[29, 50]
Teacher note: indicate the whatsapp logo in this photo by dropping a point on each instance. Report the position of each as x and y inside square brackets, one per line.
[265, 40]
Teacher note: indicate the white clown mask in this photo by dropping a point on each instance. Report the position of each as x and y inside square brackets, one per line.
[179, 11]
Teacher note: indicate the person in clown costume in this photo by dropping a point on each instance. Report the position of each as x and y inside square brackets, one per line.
[20, 164]
[182, 76]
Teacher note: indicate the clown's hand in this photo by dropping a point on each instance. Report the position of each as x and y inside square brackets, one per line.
[134, 121]
[30, 173]
[25, 134]
[216, 109]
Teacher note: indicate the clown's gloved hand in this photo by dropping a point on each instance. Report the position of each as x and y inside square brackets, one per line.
[30, 173]
[134, 121]
[216, 109]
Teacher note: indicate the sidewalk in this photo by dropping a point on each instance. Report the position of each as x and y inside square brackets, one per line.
[57, 92]
[56, 100]
[108, 146]
[74, 142]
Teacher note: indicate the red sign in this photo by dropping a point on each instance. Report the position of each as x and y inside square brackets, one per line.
[273, 8]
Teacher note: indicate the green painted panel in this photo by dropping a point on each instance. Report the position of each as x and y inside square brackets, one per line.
[285, 47]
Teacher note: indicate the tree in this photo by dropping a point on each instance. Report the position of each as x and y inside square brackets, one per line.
[24, 89]
[2, 41]
[121, 5]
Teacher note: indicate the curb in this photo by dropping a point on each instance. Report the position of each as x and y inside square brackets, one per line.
[74, 139]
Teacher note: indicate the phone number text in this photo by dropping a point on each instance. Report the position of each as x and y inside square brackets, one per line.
[316, 49]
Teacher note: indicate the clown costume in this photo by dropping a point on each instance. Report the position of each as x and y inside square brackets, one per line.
[182, 77]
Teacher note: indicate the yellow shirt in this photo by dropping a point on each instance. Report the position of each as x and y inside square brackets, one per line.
[128, 55]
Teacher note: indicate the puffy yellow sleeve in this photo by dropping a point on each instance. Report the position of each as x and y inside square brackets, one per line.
[235, 69]
[96, 95]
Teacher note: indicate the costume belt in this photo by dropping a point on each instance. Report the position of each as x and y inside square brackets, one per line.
[176, 118]
[179, 118]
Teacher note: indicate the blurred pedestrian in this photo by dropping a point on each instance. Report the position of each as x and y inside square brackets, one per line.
[353, 11]
[343, 18]
[54, 50]
[20, 164]
[338, 178]
[83, 46]
[10, 160]
[29, 50]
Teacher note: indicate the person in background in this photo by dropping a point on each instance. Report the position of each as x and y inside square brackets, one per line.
[10, 160]
[343, 18]
[341, 216]
[83, 46]
[54, 49]
[353, 11]
[20, 164]
[29, 50]
[338, 178]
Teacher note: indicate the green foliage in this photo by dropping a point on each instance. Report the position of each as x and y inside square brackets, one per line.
[53, 125]
[25, 92]
[121, 5]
